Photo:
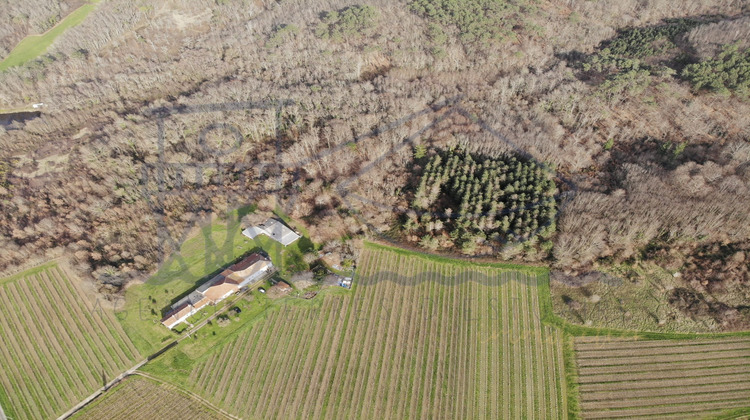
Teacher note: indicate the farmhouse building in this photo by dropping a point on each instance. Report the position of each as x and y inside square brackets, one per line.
[238, 276]
[274, 229]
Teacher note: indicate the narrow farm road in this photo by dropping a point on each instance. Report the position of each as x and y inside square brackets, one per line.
[102, 390]
[2, 414]
[133, 369]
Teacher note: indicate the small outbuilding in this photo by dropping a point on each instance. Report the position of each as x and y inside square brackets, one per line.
[274, 229]
[279, 290]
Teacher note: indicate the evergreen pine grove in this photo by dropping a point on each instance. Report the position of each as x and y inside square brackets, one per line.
[477, 198]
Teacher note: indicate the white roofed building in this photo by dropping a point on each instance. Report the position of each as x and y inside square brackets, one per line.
[274, 229]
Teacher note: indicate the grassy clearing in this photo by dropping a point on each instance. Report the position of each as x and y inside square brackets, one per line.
[633, 297]
[27, 108]
[551, 317]
[142, 398]
[215, 245]
[33, 46]
[58, 346]
[416, 336]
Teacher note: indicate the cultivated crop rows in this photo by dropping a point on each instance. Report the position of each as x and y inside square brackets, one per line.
[140, 398]
[416, 339]
[56, 348]
[698, 378]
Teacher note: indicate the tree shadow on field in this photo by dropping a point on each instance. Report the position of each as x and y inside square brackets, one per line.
[493, 278]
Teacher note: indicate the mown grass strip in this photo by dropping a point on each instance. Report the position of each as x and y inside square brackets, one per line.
[682, 411]
[33, 46]
[739, 413]
[471, 264]
[667, 390]
[569, 370]
[677, 373]
[27, 273]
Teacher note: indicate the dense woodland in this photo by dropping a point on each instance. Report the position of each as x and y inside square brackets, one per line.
[642, 105]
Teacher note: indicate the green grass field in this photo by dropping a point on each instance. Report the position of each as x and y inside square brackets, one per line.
[216, 245]
[33, 46]
[58, 346]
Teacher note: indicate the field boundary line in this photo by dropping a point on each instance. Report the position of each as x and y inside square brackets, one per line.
[455, 260]
[681, 374]
[140, 364]
[23, 271]
[101, 391]
[187, 392]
